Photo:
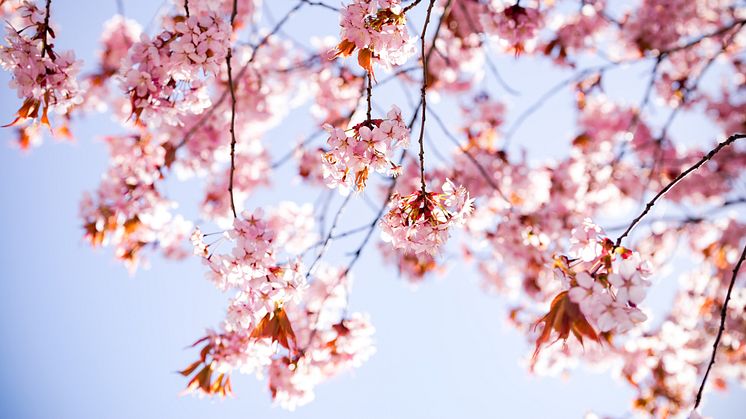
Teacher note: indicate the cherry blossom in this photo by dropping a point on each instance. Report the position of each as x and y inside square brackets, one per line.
[515, 26]
[264, 128]
[370, 149]
[420, 222]
[43, 77]
[377, 29]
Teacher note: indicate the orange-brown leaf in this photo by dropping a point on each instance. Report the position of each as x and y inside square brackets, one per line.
[564, 317]
[345, 48]
[276, 326]
[365, 59]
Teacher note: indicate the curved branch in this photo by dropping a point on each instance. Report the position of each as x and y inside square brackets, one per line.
[675, 181]
[721, 329]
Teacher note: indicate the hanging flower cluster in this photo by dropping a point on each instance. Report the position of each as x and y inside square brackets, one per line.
[162, 76]
[515, 26]
[603, 286]
[127, 210]
[370, 149]
[420, 222]
[377, 30]
[43, 78]
[276, 322]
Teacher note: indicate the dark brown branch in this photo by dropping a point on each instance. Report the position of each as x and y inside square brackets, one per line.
[721, 329]
[233, 111]
[369, 97]
[186, 9]
[675, 181]
[408, 8]
[423, 93]
[46, 30]
[685, 219]
[720, 31]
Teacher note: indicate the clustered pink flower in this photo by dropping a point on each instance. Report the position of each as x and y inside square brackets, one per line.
[607, 296]
[337, 94]
[659, 24]
[458, 66]
[118, 36]
[43, 78]
[421, 222]
[164, 74]
[602, 288]
[344, 345]
[252, 264]
[128, 211]
[370, 148]
[576, 34]
[377, 29]
[515, 26]
[299, 342]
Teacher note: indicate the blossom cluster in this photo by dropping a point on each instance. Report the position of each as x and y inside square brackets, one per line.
[162, 75]
[516, 27]
[128, 211]
[377, 30]
[604, 284]
[291, 323]
[370, 148]
[421, 222]
[42, 77]
[277, 322]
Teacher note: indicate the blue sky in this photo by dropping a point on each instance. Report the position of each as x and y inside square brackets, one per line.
[81, 338]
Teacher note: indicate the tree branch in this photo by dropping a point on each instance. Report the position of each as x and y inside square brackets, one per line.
[423, 93]
[675, 181]
[46, 30]
[233, 110]
[721, 329]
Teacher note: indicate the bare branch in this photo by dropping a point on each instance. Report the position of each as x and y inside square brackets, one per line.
[675, 181]
[233, 110]
[721, 329]
[423, 93]
[329, 236]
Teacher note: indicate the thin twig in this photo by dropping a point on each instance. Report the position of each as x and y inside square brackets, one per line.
[318, 132]
[186, 9]
[486, 49]
[329, 236]
[676, 180]
[320, 4]
[721, 329]
[471, 158]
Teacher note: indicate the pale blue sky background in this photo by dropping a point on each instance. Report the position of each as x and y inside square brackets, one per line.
[80, 338]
